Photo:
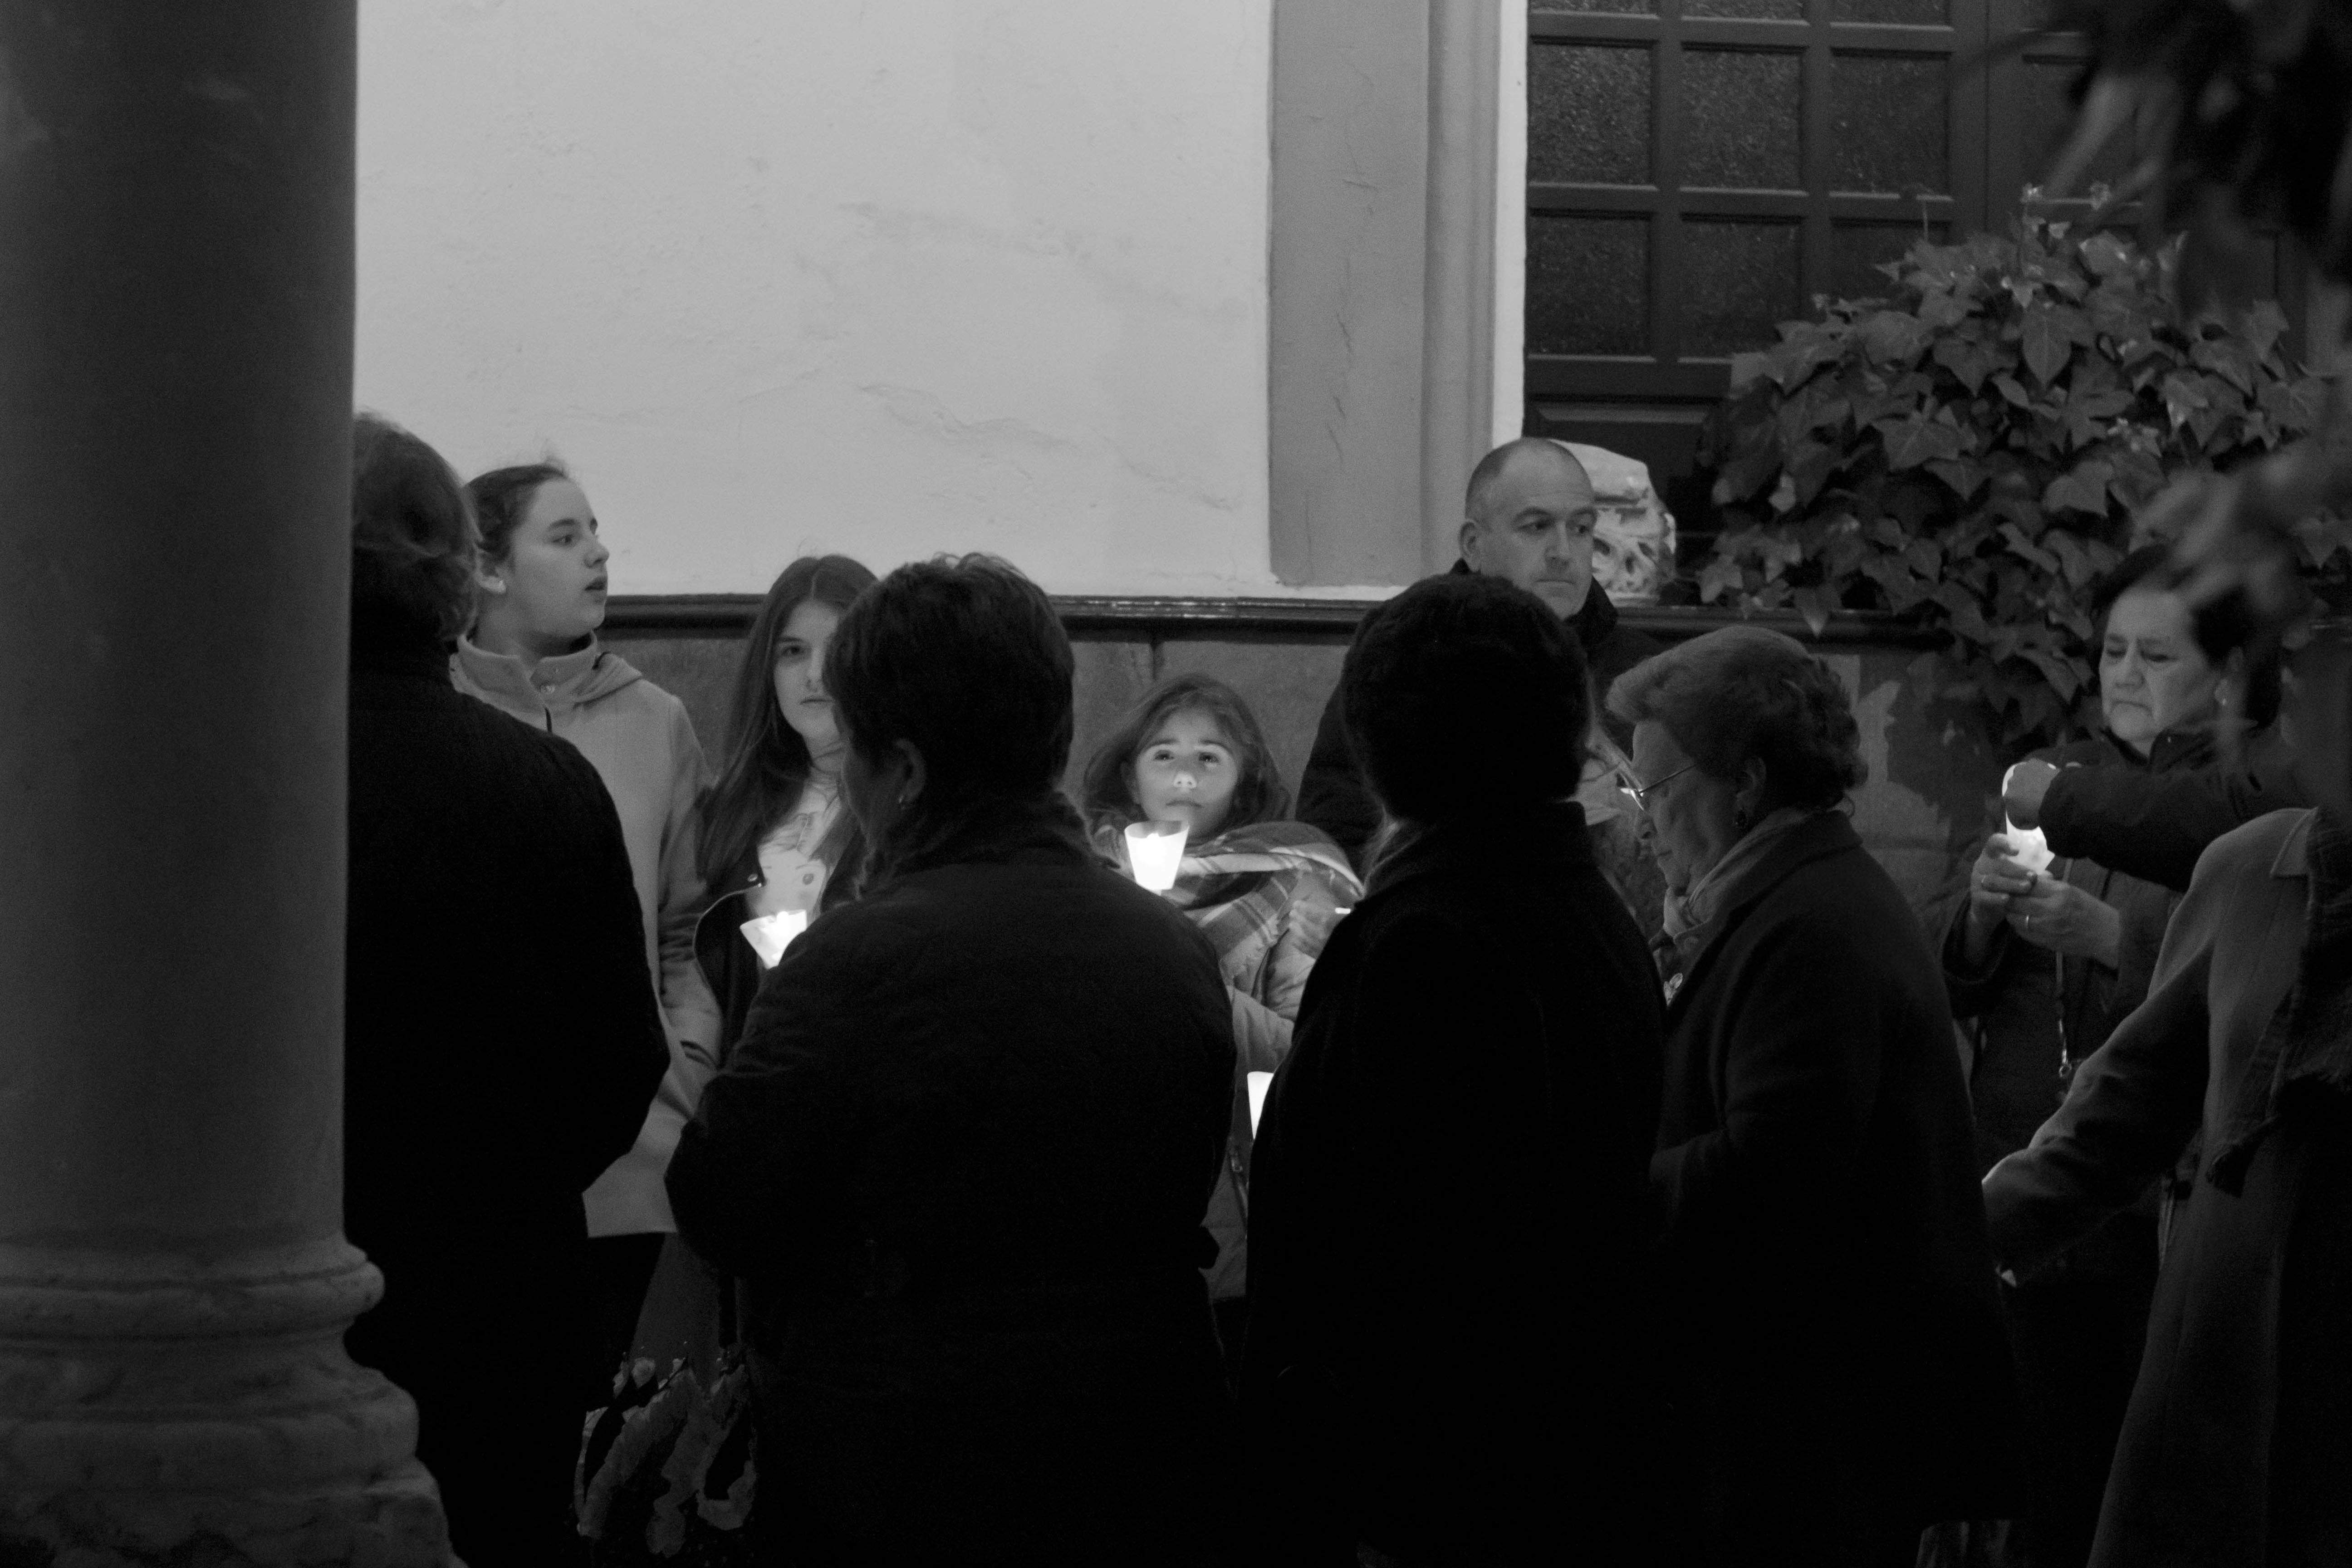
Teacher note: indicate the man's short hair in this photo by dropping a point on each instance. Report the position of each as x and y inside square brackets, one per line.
[1490, 469]
[413, 545]
[1465, 694]
[967, 659]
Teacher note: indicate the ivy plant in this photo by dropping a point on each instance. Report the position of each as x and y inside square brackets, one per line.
[1967, 452]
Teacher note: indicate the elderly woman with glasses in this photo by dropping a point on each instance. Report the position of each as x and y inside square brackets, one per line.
[1846, 1381]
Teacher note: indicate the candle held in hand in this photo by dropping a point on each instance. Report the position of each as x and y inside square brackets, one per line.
[771, 934]
[1155, 849]
[2027, 846]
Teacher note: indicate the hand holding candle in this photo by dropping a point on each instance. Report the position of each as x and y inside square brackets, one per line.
[2027, 846]
[1155, 849]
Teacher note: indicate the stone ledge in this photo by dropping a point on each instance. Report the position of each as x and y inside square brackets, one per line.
[729, 614]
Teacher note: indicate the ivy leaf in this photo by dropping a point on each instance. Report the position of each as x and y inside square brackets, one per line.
[2183, 395]
[1914, 440]
[2027, 550]
[2264, 326]
[2106, 256]
[1965, 475]
[1720, 576]
[2227, 358]
[2060, 673]
[2009, 388]
[1893, 337]
[1971, 361]
[2045, 343]
[2071, 555]
[1814, 605]
[1746, 367]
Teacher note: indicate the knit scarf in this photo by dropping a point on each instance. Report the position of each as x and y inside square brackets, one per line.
[1238, 885]
[1691, 916]
[2302, 1071]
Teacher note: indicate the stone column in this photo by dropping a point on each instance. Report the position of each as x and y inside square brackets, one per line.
[175, 331]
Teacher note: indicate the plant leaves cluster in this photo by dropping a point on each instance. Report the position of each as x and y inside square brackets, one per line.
[1967, 452]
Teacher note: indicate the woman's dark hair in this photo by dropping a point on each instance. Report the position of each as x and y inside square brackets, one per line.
[502, 496]
[1739, 692]
[2228, 623]
[1106, 796]
[412, 531]
[767, 761]
[1463, 694]
[967, 660]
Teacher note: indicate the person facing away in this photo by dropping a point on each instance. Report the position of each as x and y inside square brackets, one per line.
[775, 841]
[533, 653]
[499, 1036]
[1265, 890]
[1448, 1356]
[1845, 1379]
[1529, 513]
[960, 1153]
[2238, 1440]
[2045, 963]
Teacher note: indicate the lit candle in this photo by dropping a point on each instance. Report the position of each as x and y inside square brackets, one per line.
[2029, 847]
[1155, 849]
[1259, 1082]
[771, 934]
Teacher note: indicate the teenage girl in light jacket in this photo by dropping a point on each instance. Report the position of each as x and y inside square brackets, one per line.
[533, 653]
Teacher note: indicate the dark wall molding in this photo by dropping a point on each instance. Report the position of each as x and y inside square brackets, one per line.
[729, 614]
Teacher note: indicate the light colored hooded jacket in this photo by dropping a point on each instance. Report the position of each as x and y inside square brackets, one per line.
[642, 744]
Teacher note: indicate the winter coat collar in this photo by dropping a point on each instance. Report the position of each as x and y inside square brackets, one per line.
[1546, 838]
[1824, 833]
[567, 680]
[1593, 622]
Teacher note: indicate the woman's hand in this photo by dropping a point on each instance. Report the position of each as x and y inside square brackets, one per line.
[2065, 919]
[1993, 881]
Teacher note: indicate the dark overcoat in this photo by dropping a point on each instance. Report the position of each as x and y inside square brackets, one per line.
[1449, 1222]
[959, 1156]
[1839, 1334]
[2238, 1445]
[499, 1045]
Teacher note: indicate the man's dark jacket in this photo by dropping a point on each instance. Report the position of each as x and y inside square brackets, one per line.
[1448, 1344]
[1331, 792]
[2154, 826]
[1843, 1363]
[500, 1044]
[960, 1156]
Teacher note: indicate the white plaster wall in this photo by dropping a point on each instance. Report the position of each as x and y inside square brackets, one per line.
[783, 275]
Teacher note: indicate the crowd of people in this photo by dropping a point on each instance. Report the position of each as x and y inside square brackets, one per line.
[843, 1141]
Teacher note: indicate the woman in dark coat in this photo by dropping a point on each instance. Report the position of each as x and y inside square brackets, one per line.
[500, 1037]
[2045, 964]
[961, 1151]
[1845, 1381]
[1447, 1352]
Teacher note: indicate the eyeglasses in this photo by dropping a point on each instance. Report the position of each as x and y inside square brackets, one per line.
[1643, 792]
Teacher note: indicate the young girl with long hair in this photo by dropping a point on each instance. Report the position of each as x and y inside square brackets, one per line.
[1266, 892]
[774, 835]
[532, 653]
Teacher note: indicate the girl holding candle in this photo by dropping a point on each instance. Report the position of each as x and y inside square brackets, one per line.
[1266, 892]
[2044, 964]
[532, 653]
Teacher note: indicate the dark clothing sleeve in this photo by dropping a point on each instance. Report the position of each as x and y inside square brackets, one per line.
[2154, 826]
[603, 1026]
[1331, 792]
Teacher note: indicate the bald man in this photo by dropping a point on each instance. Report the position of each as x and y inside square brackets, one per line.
[1528, 519]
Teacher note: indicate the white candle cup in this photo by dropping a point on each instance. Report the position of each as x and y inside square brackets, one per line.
[771, 934]
[2029, 847]
[1155, 849]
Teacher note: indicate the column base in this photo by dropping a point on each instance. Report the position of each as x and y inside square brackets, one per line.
[155, 1409]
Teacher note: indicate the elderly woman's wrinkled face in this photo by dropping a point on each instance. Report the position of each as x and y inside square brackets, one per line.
[2152, 675]
[1689, 814]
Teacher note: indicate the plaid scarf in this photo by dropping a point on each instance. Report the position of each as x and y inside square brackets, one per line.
[2304, 1064]
[1238, 885]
